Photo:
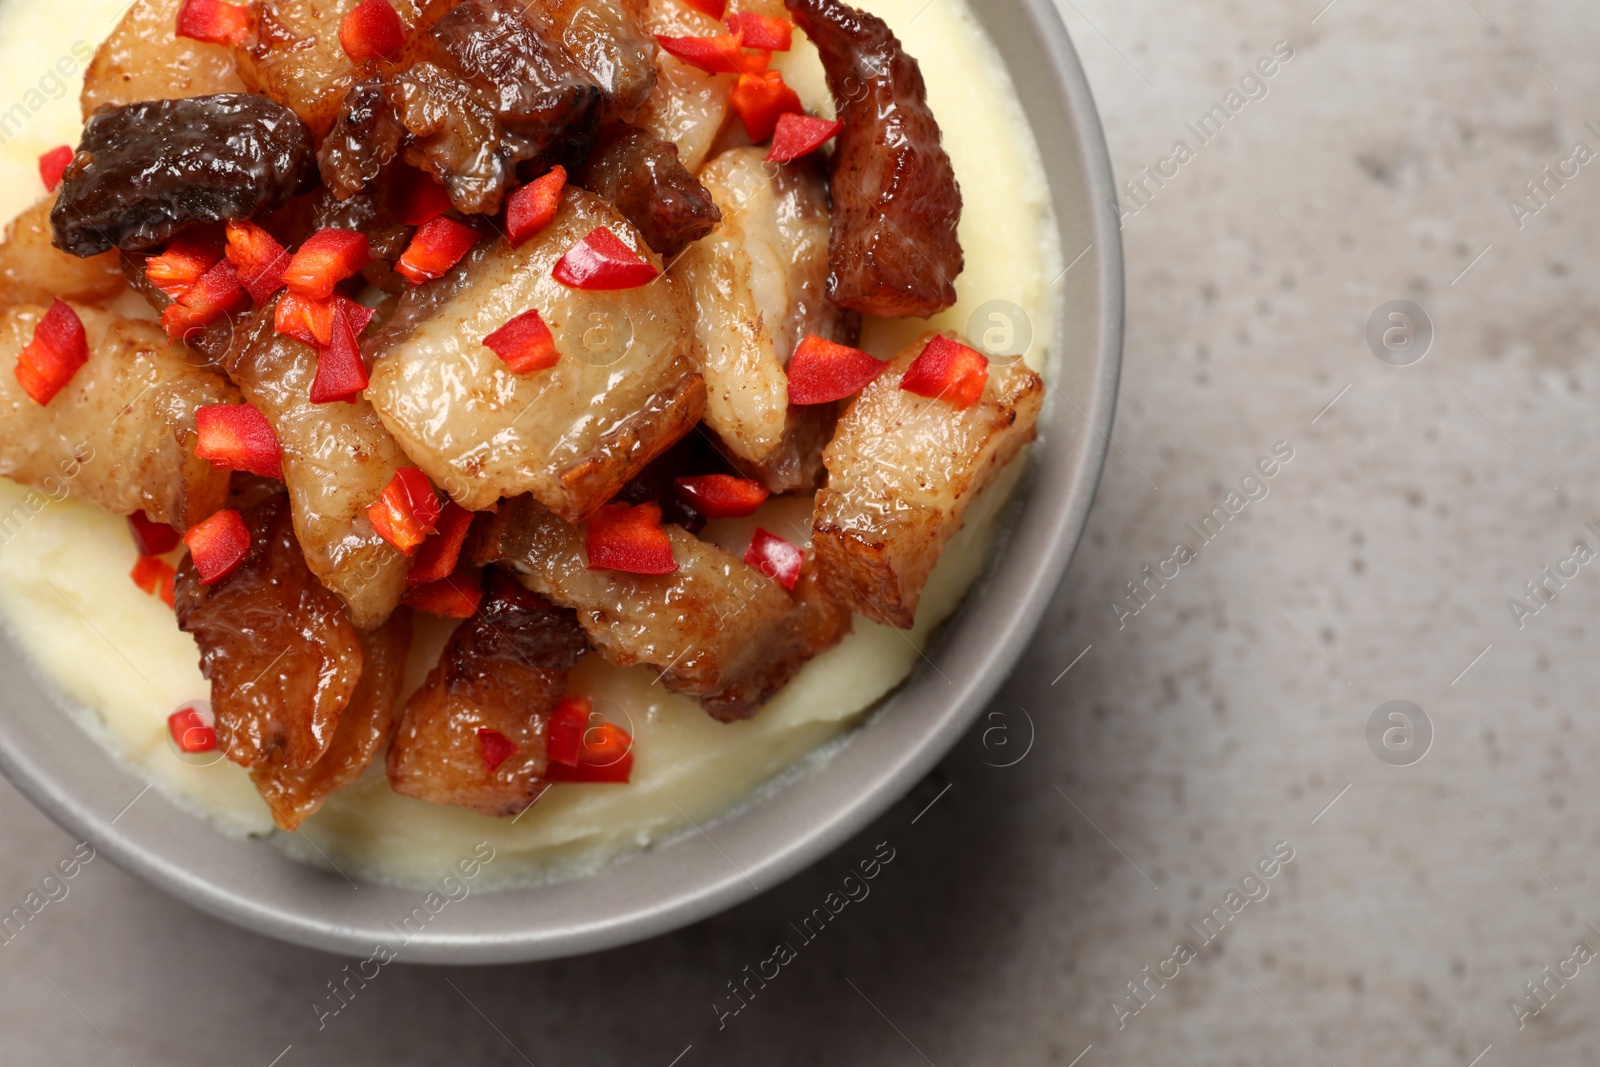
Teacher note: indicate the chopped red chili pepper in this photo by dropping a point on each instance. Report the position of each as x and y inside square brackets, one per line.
[525, 344]
[59, 347]
[436, 247]
[372, 29]
[455, 597]
[776, 558]
[341, 372]
[714, 8]
[760, 99]
[304, 319]
[823, 371]
[437, 558]
[414, 197]
[495, 747]
[155, 576]
[721, 496]
[258, 259]
[213, 21]
[722, 54]
[407, 511]
[215, 294]
[152, 538]
[327, 258]
[53, 164]
[192, 731]
[534, 206]
[569, 721]
[237, 437]
[603, 261]
[766, 32]
[606, 756]
[183, 263]
[218, 545]
[800, 135]
[629, 538]
[948, 370]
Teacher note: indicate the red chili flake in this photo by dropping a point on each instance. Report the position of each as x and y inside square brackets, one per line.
[436, 247]
[948, 370]
[341, 372]
[183, 263]
[525, 344]
[722, 54]
[766, 32]
[237, 437]
[800, 135]
[455, 597]
[192, 731]
[776, 558]
[304, 319]
[569, 721]
[148, 572]
[721, 496]
[822, 371]
[213, 22]
[215, 294]
[258, 259]
[629, 538]
[606, 756]
[437, 558]
[152, 538]
[533, 207]
[53, 164]
[371, 30]
[414, 197]
[496, 748]
[760, 100]
[59, 347]
[407, 511]
[218, 545]
[327, 258]
[602, 261]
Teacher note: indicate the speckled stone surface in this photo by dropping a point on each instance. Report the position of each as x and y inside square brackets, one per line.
[1228, 715]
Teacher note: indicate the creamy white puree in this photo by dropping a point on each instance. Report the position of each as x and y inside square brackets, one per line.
[118, 654]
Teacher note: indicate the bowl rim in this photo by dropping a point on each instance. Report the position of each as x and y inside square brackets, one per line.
[87, 793]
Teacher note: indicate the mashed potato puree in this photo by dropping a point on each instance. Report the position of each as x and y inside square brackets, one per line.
[119, 657]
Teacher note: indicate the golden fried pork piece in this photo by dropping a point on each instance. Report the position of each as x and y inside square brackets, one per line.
[295, 57]
[503, 671]
[716, 629]
[282, 657]
[641, 176]
[689, 105]
[121, 434]
[34, 271]
[758, 285]
[337, 460]
[363, 729]
[624, 390]
[609, 40]
[143, 59]
[896, 203]
[902, 470]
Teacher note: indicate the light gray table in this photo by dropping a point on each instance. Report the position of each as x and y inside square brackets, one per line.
[1231, 713]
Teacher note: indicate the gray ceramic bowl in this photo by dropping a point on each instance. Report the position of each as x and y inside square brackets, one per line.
[256, 885]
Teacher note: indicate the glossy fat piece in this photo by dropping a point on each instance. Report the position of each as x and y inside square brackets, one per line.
[758, 284]
[337, 459]
[282, 658]
[143, 59]
[608, 40]
[896, 204]
[716, 629]
[363, 729]
[34, 271]
[902, 470]
[121, 434]
[504, 669]
[624, 390]
[689, 105]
